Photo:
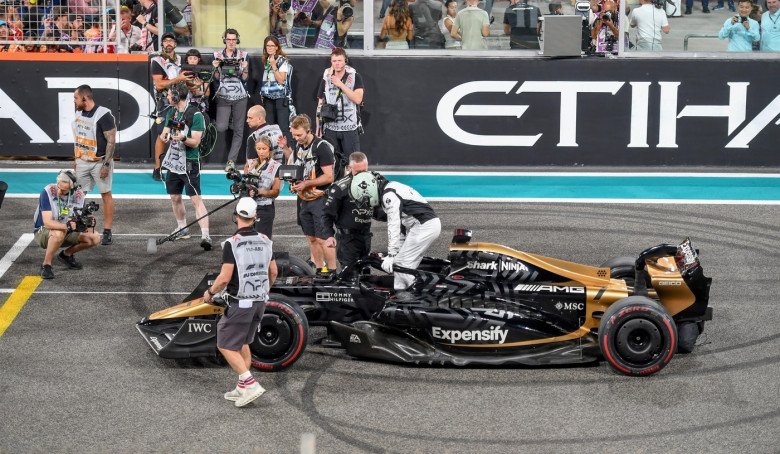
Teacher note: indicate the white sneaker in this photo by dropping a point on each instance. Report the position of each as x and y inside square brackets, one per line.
[251, 393]
[234, 395]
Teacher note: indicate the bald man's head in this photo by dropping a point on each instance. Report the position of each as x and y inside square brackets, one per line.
[255, 116]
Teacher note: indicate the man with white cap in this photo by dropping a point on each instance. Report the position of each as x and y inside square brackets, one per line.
[248, 271]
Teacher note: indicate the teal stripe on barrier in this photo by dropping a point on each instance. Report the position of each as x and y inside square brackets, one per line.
[745, 187]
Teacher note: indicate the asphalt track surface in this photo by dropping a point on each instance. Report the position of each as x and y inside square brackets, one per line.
[75, 375]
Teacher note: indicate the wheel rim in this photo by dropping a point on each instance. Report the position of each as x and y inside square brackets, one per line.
[274, 338]
[638, 341]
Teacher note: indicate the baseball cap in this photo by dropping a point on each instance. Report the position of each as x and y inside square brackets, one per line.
[246, 208]
[168, 35]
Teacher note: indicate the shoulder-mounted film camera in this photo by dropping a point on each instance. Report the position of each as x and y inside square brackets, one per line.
[231, 66]
[83, 218]
[176, 125]
[244, 185]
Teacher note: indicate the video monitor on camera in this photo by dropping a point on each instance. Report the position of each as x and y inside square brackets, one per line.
[202, 72]
[291, 173]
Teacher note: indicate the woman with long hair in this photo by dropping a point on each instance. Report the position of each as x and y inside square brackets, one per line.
[445, 24]
[397, 28]
[274, 89]
[262, 165]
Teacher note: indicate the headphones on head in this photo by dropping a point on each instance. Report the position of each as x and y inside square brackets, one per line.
[179, 91]
[71, 177]
[231, 31]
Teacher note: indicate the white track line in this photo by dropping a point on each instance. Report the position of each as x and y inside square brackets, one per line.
[16, 250]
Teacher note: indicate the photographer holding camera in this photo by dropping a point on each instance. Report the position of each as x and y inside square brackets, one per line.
[58, 224]
[281, 19]
[649, 21]
[605, 29]
[314, 157]
[338, 107]
[741, 30]
[261, 164]
[232, 73]
[184, 126]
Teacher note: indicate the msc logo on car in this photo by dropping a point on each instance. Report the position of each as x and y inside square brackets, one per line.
[550, 288]
[570, 306]
[495, 334]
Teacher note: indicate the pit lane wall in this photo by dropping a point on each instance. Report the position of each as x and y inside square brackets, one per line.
[455, 111]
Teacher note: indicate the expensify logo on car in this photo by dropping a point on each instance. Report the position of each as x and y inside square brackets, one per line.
[450, 106]
[494, 334]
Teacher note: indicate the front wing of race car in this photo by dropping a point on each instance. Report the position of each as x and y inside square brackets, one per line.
[371, 340]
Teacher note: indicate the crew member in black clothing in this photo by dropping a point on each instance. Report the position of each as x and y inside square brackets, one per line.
[352, 218]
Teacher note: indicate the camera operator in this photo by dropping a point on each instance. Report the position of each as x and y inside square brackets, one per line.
[649, 21]
[605, 29]
[407, 211]
[94, 130]
[523, 25]
[345, 17]
[184, 126]
[281, 19]
[741, 30]
[232, 72]
[199, 88]
[315, 156]
[55, 226]
[248, 272]
[147, 21]
[352, 217]
[260, 163]
[338, 107]
[166, 71]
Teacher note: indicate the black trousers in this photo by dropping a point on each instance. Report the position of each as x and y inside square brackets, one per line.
[352, 246]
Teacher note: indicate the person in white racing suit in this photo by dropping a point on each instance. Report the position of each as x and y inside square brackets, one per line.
[412, 225]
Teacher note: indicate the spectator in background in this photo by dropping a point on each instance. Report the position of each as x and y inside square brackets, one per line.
[605, 29]
[741, 30]
[556, 9]
[281, 21]
[129, 34]
[82, 7]
[147, 20]
[5, 37]
[471, 27]
[57, 29]
[31, 16]
[649, 22]
[523, 25]
[397, 29]
[445, 24]
[426, 18]
[76, 24]
[720, 6]
[770, 29]
[345, 17]
[309, 16]
[93, 34]
[9, 15]
[704, 6]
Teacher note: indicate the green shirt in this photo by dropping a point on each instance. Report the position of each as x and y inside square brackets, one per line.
[469, 23]
[198, 124]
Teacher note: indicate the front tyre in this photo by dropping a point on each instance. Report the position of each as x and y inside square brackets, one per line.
[281, 337]
[637, 336]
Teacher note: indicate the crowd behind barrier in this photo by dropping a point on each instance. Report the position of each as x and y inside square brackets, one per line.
[71, 25]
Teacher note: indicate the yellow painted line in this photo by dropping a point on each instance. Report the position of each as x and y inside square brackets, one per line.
[16, 301]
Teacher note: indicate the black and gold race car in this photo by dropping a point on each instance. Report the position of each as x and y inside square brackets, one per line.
[490, 305]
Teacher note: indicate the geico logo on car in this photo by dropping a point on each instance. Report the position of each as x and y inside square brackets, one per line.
[199, 328]
[669, 283]
[549, 288]
[493, 334]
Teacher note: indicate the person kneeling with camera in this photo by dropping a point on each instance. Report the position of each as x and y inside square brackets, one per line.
[62, 220]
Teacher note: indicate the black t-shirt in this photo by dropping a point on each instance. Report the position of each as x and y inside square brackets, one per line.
[523, 20]
[106, 123]
[228, 257]
[321, 153]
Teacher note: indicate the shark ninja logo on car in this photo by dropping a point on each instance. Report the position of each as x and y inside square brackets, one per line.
[494, 334]
[496, 266]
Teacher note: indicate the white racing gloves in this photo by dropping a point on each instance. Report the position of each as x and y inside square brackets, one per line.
[387, 264]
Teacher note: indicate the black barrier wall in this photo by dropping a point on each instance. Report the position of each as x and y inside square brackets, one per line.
[470, 111]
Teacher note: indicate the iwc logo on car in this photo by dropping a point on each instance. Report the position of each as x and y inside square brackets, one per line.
[493, 335]
[496, 266]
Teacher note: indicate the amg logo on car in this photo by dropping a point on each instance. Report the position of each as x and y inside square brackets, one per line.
[493, 334]
[496, 266]
[549, 288]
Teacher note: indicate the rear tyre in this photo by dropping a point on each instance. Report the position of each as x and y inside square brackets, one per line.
[637, 336]
[291, 265]
[281, 337]
[622, 268]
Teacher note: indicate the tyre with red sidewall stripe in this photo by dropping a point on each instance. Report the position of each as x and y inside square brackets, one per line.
[637, 336]
[281, 337]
